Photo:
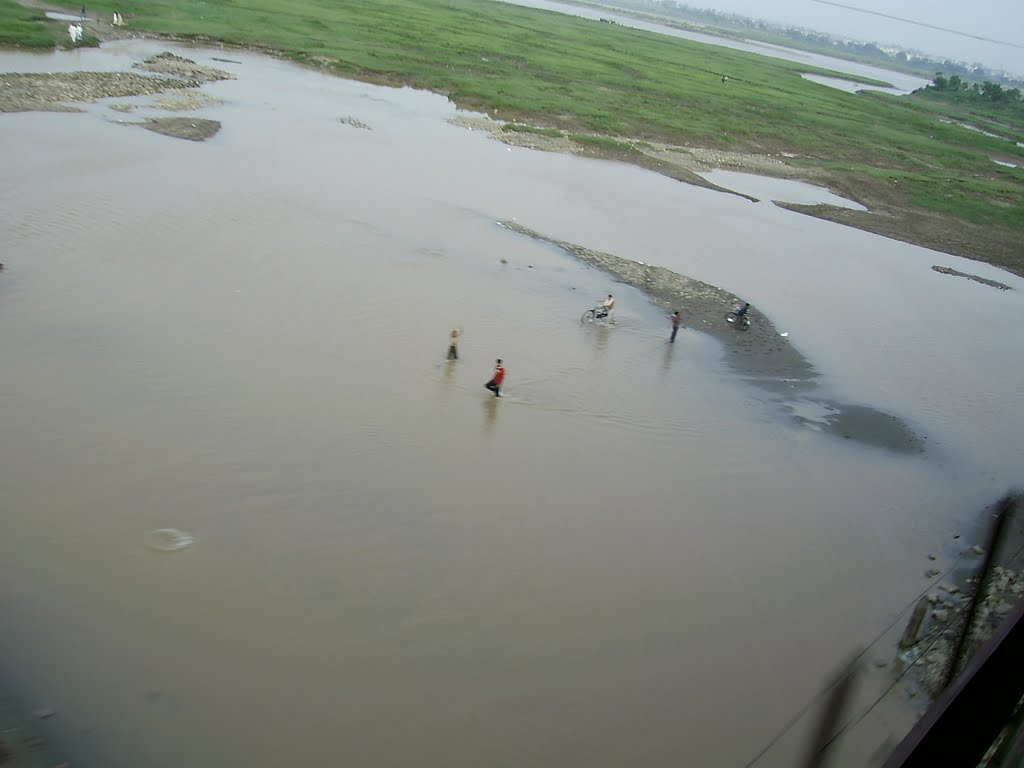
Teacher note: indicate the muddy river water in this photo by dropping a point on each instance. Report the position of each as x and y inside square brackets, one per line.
[635, 558]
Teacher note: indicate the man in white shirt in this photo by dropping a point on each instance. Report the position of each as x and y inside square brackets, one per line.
[609, 307]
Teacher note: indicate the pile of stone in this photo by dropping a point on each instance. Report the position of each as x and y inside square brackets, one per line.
[947, 614]
[191, 73]
[53, 91]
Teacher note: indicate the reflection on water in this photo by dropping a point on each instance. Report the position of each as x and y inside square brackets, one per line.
[850, 86]
[240, 340]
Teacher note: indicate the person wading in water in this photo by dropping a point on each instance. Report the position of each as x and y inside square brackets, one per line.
[453, 343]
[497, 379]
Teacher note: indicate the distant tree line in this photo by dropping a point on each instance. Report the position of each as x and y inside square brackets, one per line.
[957, 89]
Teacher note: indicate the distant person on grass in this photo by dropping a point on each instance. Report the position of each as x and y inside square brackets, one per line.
[497, 379]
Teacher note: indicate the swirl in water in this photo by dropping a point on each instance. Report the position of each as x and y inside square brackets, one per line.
[168, 540]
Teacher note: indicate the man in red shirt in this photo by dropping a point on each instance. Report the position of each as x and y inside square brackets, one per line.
[499, 376]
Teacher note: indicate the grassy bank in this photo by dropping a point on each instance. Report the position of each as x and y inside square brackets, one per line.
[29, 28]
[607, 82]
[22, 27]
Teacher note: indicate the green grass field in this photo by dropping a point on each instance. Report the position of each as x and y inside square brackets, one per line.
[22, 27]
[605, 82]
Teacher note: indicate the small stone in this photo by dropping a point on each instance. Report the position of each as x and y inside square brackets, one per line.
[931, 573]
[951, 588]
[977, 550]
[956, 535]
[933, 597]
[42, 713]
[931, 557]
[881, 663]
[941, 615]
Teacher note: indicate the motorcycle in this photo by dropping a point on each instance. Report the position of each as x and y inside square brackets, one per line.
[738, 321]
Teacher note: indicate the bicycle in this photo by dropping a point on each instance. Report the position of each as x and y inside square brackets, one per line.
[597, 313]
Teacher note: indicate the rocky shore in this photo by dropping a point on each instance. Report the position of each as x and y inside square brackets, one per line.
[58, 91]
[948, 602]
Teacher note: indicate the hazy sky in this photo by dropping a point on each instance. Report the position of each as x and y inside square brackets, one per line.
[996, 19]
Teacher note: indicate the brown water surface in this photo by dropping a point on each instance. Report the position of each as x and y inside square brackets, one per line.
[634, 558]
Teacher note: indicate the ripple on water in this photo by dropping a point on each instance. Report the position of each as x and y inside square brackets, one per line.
[168, 540]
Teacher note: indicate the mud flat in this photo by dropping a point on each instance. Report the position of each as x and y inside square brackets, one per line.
[975, 278]
[52, 92]
[190, 128]
[761, 354]
[58, 91]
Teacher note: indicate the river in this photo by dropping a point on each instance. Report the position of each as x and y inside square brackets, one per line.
[635, 557]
